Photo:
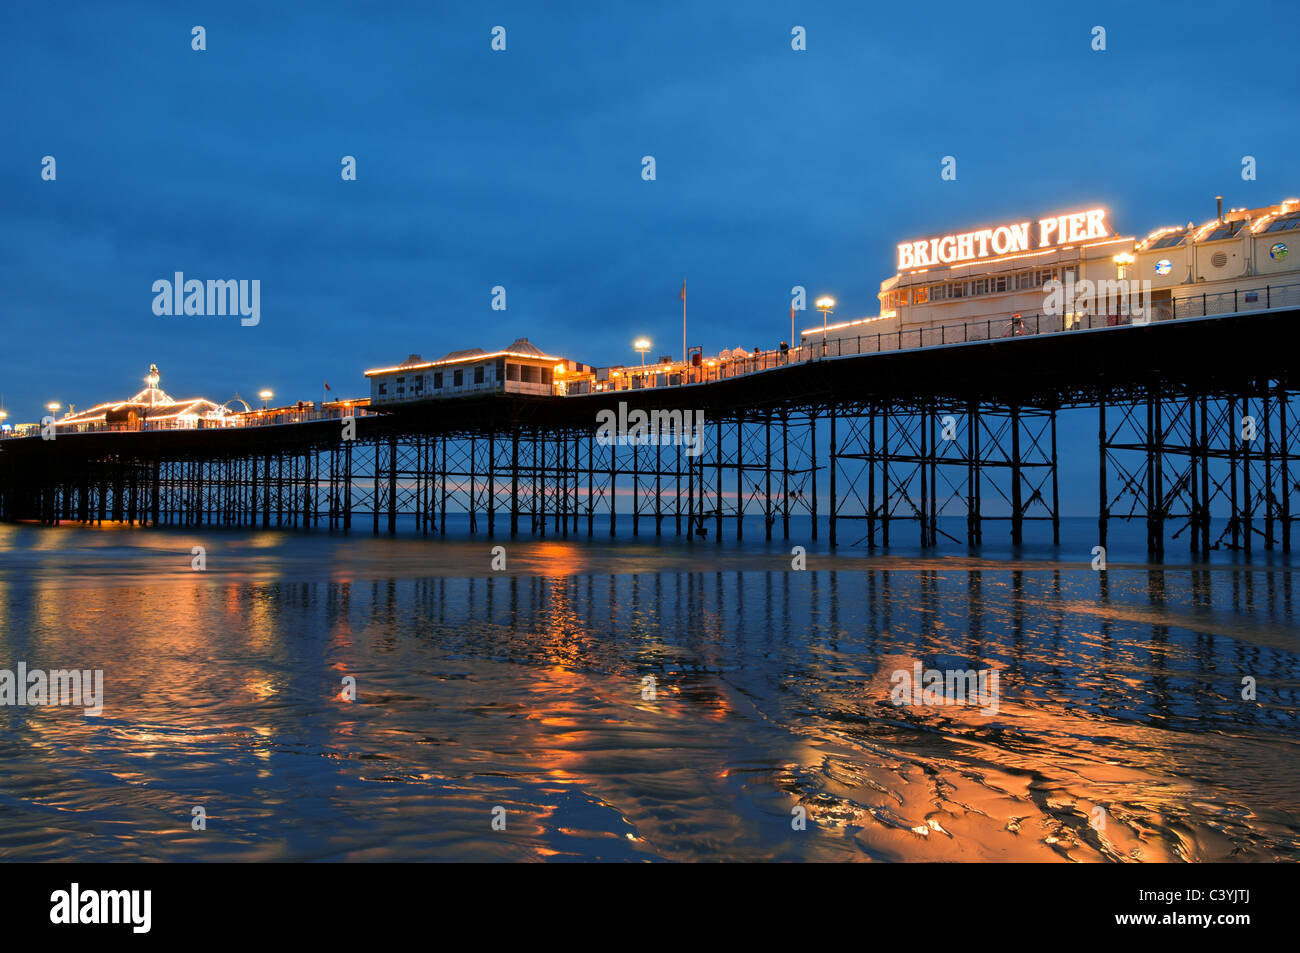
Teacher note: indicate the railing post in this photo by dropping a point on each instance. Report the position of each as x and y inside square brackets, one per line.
[1268, 297]
[1203, 304]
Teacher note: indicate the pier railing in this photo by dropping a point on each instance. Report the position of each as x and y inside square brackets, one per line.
[1263, 297]
[1009, 326]
[264, 418]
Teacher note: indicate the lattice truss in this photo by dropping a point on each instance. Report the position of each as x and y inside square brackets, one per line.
[761, 465]
[656, 483]
[1218, 470]
[924, 462]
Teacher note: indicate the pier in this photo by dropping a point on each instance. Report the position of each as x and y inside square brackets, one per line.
[1196, 438]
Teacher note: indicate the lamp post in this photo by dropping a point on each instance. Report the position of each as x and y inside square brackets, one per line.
[265, 395]
[1122, 261]
[642, 345]
[824, 305]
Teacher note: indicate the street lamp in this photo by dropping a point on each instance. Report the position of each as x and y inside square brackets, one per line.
[1122, 261]
[824, 305]
[265, 395]
[53, 406]
[642, 345]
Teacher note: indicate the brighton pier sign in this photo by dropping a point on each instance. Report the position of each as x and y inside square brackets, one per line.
[1004, 240]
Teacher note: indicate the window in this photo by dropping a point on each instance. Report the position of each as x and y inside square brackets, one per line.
[512, 372]
[458, 377]
[478, 374]
[1226, 230]
[383, 388]
[437, 380]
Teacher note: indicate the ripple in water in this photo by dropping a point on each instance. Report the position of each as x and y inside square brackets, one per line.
[1120, 733]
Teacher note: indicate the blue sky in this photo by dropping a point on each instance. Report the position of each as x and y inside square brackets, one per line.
[775, 168]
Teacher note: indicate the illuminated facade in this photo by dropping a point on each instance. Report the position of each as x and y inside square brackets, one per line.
[521, 368]
[999, 272]
[150, 409]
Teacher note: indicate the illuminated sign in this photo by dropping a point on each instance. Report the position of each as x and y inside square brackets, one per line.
[1164, 266]
[1278, 251]
[1003, 240]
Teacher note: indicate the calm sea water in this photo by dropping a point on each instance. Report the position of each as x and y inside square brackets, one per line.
[524, 690]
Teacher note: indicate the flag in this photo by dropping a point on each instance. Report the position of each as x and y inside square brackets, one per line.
[683, 294]
[327, 385]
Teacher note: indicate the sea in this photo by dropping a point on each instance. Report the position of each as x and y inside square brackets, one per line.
[307, 696]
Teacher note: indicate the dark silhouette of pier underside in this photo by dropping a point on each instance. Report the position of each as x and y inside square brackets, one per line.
[1196, 437]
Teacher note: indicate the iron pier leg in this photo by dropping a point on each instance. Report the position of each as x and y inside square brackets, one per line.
[834, 498]
[1017, 505]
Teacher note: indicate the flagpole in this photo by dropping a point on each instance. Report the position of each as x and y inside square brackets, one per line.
[684, 369]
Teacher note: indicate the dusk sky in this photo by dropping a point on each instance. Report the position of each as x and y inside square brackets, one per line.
[522, 169]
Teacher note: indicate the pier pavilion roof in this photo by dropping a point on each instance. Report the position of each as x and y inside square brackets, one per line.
[152, 404]
[519, 348]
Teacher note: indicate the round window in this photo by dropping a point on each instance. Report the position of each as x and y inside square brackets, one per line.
[1278, 251]
[1164, 266]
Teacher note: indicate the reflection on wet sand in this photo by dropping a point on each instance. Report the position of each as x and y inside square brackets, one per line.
[1121, 732]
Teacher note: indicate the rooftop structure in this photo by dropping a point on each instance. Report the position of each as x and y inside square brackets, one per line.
[998, 273]
[149, 409]
[519, 368]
